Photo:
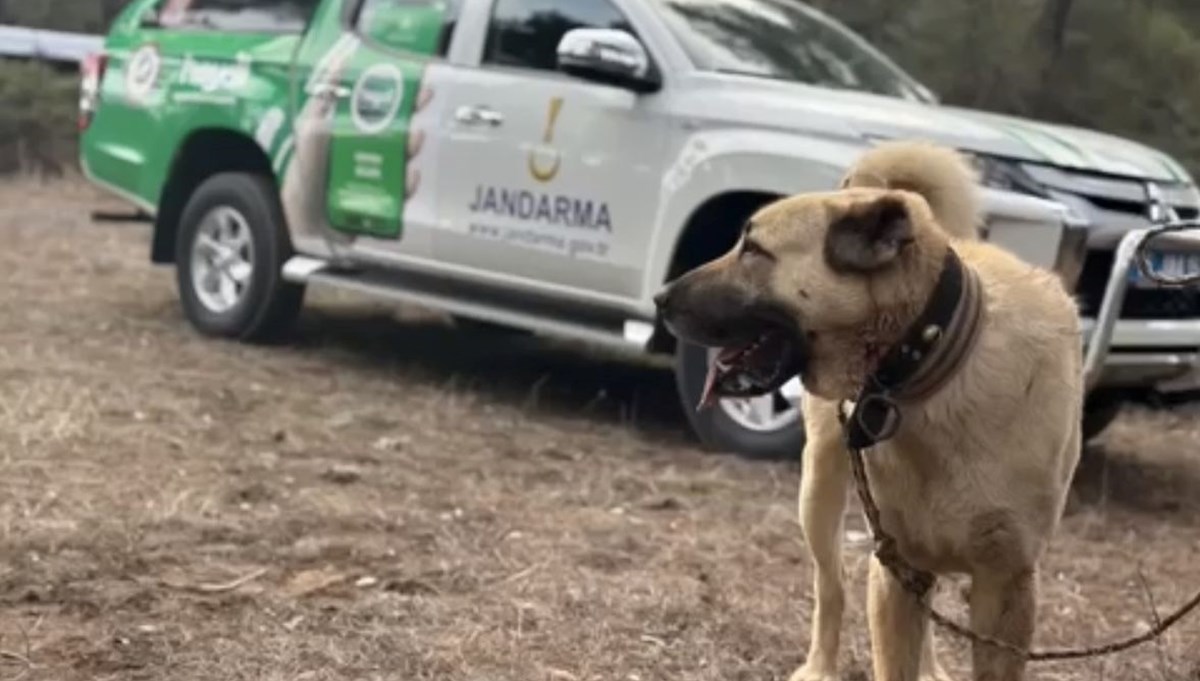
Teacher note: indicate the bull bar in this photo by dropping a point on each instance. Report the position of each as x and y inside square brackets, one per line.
[1166, 229]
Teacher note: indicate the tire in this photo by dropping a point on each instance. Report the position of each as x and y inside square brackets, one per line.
[717, 429]
[262, 305]
[1100, 409]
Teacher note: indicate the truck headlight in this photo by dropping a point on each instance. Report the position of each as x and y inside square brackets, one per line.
[1010, 176]
[1006, 175]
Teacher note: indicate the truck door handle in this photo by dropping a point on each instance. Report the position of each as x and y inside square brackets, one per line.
[332, 90]
[478, 115]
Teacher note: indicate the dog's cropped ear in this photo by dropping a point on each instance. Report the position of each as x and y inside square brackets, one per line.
[868, 236]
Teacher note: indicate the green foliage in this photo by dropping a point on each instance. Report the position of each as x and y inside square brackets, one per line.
[40, 103]
[1127, 67]
[84, 16]
[38, 119]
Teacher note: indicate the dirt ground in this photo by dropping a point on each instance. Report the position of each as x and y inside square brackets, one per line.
[384, 497]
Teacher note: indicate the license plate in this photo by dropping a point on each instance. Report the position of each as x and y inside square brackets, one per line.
[1167, 265]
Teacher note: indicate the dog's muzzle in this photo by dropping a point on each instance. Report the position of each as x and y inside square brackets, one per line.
[759, 345]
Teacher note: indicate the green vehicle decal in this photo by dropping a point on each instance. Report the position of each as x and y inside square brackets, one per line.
[380, 89]
[329, 109]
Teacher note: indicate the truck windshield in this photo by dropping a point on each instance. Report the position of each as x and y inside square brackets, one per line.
[787, 40]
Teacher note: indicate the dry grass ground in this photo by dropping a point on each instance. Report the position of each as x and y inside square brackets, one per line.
[382, 497]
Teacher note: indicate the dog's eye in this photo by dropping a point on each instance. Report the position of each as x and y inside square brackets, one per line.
[752, 248]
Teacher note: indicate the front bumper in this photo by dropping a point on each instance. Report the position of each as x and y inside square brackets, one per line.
[1160, 354]
[1159, 371]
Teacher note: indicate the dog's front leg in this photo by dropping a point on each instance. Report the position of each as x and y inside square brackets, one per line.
[931, 668]
[899, 627]
[1003, 607]
[823, 485]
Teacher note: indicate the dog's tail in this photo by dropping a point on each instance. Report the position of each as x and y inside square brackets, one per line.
[939, 174]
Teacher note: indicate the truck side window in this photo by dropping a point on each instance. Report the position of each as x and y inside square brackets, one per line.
[525, 33]
[248, 16]
[421, 26]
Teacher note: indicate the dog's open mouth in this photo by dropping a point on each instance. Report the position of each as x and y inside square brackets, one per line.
[751, 369]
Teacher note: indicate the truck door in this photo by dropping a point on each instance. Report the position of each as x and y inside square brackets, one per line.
[356, 93]
[545, 178]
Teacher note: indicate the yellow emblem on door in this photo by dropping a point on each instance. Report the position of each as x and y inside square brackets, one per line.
[544, 159]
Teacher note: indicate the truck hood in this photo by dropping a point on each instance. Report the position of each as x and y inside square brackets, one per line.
[826, 112]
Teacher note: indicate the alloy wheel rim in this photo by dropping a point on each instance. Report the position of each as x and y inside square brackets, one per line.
[222, 259]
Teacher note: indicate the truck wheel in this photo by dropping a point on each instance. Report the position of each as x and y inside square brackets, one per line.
[229, 259]
[768, 427]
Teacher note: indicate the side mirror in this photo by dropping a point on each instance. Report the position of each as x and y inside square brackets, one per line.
[609, 56]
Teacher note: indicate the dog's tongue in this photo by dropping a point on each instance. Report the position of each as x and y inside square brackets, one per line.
[718, 367]
[707, 398]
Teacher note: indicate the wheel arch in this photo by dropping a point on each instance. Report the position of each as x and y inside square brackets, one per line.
[204, 153]
[710, 230]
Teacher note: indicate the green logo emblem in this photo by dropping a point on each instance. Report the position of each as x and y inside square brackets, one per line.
[377, 97]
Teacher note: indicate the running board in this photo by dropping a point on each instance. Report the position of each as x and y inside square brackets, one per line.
[402, 288]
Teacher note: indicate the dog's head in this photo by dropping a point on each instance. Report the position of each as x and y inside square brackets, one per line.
[812, 281]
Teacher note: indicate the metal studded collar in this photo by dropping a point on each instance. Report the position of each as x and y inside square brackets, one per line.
[925, 358]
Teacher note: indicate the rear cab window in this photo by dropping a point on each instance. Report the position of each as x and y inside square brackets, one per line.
[409, 25]
[237, 16]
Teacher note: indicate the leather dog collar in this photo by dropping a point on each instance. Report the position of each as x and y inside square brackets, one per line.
[932, 349]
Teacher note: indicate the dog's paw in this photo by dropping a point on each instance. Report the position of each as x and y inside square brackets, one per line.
[815, 673]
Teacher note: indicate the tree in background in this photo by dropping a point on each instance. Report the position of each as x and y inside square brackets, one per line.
[1128, 67]
[36, 133]
[85, 16]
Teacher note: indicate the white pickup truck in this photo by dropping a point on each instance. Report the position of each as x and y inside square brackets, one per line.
[547, 164]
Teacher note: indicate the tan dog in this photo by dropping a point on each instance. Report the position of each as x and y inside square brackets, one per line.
[974, 479]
